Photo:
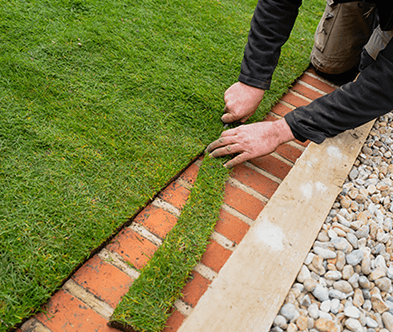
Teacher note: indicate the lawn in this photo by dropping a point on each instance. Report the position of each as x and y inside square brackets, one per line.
[101, 104]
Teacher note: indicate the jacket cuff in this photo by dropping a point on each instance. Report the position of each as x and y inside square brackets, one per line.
[265, 85]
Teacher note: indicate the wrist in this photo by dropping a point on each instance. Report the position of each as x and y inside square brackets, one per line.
[283, 131]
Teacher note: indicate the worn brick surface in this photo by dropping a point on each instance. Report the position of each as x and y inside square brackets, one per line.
[316, 82]
[307, 92]
[195, 288]
[289, 152]
[174, 322]
[65, 313]
[242, 202]
[281, 109]
[132, 247]
[272, 165]
[156, 220]
[255, 180]
[215, 256]
[231, 227]
[175, 194]
[103, 280]
[190, 174]
[294, 100]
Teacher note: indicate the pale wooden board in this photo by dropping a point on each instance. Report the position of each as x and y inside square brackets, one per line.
[251, 287]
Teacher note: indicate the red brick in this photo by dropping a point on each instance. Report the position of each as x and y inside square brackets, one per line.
[281, 109]
[255, 180]
[242, 202]
[317, 83]
[215, 256]
[156, 220]
[132, 247]
[103, 280]
[175, 194]
[305, 91]
[270, 117]
[65, 313]
[174, 322]
[195, 288]
[190, 174]
[289, 152]
[231, 227]
[296, 101]
[272, 165]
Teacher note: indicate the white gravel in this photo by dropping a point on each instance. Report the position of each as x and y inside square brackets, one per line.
[345, 283]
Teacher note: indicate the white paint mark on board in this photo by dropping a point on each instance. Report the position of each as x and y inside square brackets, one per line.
[270, 234]
[334, 152]
[310, 189]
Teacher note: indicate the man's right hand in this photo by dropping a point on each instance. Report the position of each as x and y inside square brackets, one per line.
[241, 101]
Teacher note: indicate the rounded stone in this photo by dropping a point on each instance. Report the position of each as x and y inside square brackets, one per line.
[353, 325]
[326, 306]
[383, 284]
[302, 323]
[289, 311]
[280, 321]
[321, 293]
[353, 240]
[309, 284]
[333, 275]
[325, 253]
[313, 311]
[343, 286]
[303, 274]
[387, 319]
[355, 257]
[340, 244]
[371, 322]
[364, 282]
[352, 312]
[335, 306]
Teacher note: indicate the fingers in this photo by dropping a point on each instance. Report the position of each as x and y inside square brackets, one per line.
[225, 139]
[237, 160]
[225, 150]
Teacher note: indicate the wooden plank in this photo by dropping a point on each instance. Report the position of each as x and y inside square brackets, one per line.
[251, 287]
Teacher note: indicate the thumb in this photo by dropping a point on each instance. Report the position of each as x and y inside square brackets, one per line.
[227, 118]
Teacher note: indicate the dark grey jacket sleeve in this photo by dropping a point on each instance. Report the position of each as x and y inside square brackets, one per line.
[350, 106]
[271, 26]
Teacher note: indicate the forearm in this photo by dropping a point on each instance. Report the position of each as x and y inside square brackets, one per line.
[271, 26]
[349, 106]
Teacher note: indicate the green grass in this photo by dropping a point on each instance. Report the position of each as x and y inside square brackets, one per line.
[101, 104]
[147, 305]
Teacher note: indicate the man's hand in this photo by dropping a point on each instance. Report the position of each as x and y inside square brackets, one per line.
[241, 101]
[251, 141]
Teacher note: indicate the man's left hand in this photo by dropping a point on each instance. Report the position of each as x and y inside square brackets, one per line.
[250, 141]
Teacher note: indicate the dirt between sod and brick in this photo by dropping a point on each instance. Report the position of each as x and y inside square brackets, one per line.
[213, 299]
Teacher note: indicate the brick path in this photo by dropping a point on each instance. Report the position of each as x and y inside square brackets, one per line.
[88, 298]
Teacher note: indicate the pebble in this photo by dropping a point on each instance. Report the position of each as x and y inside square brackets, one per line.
[280, 321]
[345, 283]
[289, 312]
[352, 312]
[321, 293]
[353, 325]
[343, 286]
[387, 319]
[383, 284]
[325, 253]
[355, 257]
[313, 311]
